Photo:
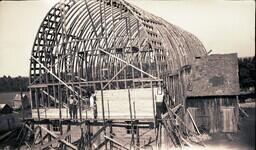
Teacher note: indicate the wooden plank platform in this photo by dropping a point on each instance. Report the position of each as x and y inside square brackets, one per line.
[118, 103]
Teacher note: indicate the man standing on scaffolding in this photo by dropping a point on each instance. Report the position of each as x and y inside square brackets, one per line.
[91, 100]
[75, 108]
[95, 112]
[71, 101]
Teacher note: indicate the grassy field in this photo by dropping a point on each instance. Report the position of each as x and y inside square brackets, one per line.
[6, 98]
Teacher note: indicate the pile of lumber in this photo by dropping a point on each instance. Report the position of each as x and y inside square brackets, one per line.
[178, 131]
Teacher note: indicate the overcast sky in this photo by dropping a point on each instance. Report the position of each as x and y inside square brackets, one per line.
[223, 26]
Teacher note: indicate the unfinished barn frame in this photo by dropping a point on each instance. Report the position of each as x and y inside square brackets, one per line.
[130, 58]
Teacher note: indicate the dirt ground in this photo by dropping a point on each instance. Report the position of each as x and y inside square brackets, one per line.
[243, 140]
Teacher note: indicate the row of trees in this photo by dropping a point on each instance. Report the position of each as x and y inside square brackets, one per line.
[246, 77]
[247, 72]
[13, 84]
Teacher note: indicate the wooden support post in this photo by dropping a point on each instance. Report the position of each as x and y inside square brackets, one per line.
[80, 104]
[60, 113]
[108, 110]
[89, 135]
[37, 104]
[153, 104]
[103, 112]
[68, 129]
[134, 111]
[137, 135]
[111, 135]
[132, 125]
[49, 128]
[160, 135]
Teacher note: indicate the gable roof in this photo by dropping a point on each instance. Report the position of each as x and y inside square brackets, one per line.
[18, 97]
[5, 109]
[2, 106]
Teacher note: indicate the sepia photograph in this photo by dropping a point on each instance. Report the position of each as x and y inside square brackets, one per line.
[127, 75]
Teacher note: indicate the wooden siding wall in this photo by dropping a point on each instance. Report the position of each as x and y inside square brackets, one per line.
[118, 102]
[177, 84]
[215, 114]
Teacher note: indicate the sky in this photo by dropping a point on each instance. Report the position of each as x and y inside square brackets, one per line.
[223, 26]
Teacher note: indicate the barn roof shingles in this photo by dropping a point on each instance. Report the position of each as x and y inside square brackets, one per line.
[214, 75]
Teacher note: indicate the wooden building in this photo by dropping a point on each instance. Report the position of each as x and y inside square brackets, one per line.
[5, 109]
[19, 102]
[14, 99]
[212, 93]
[129, 57]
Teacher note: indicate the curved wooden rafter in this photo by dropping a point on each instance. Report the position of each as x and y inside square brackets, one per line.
[84, 45]
[91, 41]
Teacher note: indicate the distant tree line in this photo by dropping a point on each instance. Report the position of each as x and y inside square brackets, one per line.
[13, 84]
[247, 72]
[246, 77]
